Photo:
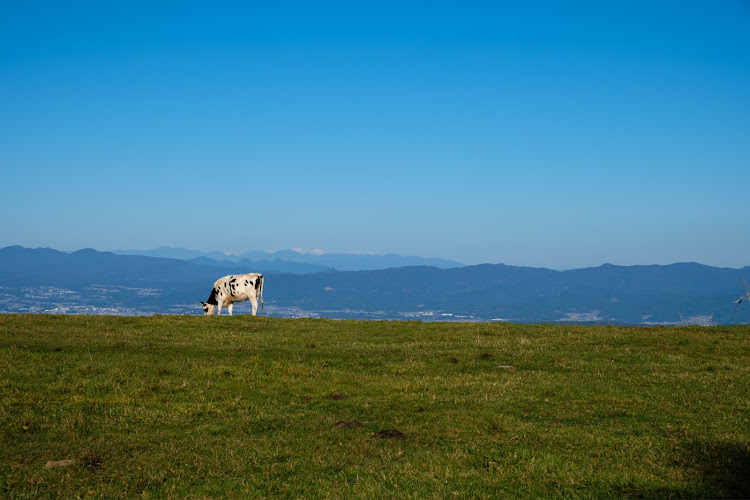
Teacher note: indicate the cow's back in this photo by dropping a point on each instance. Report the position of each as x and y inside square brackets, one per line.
[242, 287]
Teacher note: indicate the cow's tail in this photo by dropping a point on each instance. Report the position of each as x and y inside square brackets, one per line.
[261, 292]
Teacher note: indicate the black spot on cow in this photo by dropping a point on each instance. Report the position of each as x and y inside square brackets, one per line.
[212, 298]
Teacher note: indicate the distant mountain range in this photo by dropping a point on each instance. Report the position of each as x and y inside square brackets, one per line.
[91, 282]
[291, 261]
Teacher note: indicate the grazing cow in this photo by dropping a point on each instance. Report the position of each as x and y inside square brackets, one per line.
[235, 288]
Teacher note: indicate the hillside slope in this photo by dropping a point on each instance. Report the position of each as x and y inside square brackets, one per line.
[253, 407]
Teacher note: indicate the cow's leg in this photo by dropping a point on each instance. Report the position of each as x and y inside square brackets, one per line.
[229, 307]
[254, 303]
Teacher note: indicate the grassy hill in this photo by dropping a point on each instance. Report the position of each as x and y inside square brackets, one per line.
[228, 407]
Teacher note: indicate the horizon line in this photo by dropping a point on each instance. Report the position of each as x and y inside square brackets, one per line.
[461, 264]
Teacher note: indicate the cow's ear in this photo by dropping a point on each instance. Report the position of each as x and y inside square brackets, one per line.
[203, 303]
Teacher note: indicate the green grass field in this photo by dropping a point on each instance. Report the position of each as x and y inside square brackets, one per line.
[236, 407]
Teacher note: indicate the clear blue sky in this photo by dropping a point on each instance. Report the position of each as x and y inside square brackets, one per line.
[556, 134]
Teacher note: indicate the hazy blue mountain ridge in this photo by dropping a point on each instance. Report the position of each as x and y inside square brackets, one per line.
[265, 266]
[45, 280]
[322, 261]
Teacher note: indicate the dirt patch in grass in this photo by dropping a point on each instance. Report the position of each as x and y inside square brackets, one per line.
[58, 463]
[91, 459]
[344, 423]
[390, 434]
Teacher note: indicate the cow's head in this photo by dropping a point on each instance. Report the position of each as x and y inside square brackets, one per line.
[208, 308]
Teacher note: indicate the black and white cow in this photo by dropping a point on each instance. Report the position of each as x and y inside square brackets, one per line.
[235, 288]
